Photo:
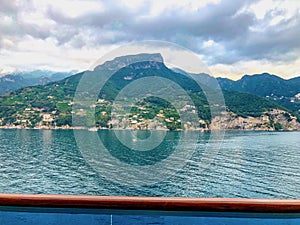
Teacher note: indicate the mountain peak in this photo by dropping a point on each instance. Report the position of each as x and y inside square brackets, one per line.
[122, 61]
[264, 75]
[264, 84]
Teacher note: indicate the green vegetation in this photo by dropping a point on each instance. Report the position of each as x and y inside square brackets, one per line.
[277, 126]
[245, 105]
[268, 86]
[51, 104]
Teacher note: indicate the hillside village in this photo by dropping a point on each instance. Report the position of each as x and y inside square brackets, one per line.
[51, 106]
[163, 119]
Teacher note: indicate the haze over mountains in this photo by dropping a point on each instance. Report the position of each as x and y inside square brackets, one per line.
[50, 105]
[17, 80]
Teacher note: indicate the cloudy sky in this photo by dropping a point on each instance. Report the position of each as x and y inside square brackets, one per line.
[233, 37]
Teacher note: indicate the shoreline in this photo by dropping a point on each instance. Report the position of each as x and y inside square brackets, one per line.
[93, 129]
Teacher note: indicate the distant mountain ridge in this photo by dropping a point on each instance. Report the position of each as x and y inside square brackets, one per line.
[50, 105]
[283, 92]
[263, 85]
[119, 62]
[17, 80]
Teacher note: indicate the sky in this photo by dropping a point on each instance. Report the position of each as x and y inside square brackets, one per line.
[232, 37]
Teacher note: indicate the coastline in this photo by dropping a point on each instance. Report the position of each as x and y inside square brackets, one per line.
[93, 129]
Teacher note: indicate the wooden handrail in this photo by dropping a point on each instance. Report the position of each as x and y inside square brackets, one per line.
[152, 203]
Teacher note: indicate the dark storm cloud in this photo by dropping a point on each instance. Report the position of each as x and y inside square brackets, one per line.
[16, 28]
[236, 32]
[219, 22]
[94, 28]
[275, 42]
[20, 29]
[213, 21]
[224, 23]
[95, 19]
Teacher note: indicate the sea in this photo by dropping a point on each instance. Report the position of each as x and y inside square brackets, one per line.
[233, 164]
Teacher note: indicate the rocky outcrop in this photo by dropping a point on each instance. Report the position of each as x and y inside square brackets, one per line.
[275, 119]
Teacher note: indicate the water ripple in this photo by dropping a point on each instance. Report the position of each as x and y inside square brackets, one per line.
[249, 164]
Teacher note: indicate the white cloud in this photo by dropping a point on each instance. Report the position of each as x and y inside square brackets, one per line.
[36, 17]
[157, 7]
[6, 43]
[287, 9]
[72, 8]
[261, 8]
[237, 70]
[208, 43]
[44, 54]
[235, 37]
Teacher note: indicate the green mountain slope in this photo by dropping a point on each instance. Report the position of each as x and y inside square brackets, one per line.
[262, 85]
[51, 104]
[15, 81]
[281, 91]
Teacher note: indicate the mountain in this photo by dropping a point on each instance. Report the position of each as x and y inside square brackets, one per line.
[52, 75]
[119, 62]
[11, 82]
[263, 85]
[51, 105]
[283, 92]
[203, 78]
[14, 81]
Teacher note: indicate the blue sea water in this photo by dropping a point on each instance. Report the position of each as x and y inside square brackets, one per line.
[249, 164]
